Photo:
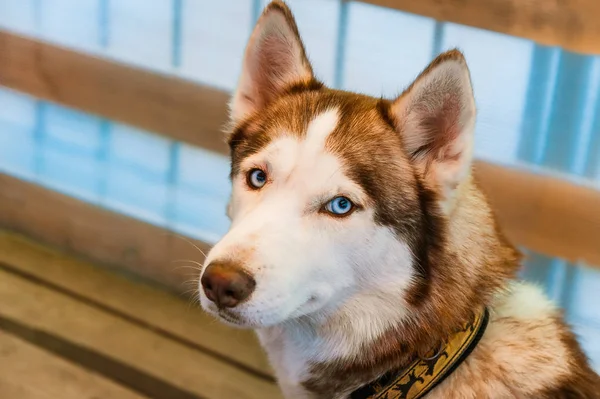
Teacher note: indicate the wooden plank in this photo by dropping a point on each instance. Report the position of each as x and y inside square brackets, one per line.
[194, 113]
[96, 233]
[534, 210]
[544, 213]
[27, 372]
[14, 389]
[161, 311]
[151, 101]
[571, 24]
[52, 313]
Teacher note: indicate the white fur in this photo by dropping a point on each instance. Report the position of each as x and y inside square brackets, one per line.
[338, 334]
[318, 130]
[525, 301]
[310, 267]
[327, 286]
[324, 286]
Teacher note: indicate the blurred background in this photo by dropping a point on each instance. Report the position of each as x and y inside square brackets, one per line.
[111, 154]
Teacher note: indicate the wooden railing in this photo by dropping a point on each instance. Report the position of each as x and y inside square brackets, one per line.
[165, 105]
[571, 24]
[546, 214]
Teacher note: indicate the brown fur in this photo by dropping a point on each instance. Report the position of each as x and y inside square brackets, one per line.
[453, 295]
[462, 258]
[582, 382]
[448, 288]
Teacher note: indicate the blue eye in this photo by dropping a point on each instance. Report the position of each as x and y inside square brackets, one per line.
[339, 206]
[256, 178]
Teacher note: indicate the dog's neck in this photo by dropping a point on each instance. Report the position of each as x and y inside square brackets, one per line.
[373, 333]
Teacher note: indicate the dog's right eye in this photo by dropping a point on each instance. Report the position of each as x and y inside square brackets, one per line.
[256, 178]
[339, 207]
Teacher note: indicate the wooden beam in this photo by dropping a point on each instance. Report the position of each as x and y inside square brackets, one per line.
[547, 214]
[571, 24]
[96, 233]
[162, 104]
[541, 219]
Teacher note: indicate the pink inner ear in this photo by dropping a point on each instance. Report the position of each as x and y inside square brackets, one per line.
[273, 61]
[274, 66]
[440, 126]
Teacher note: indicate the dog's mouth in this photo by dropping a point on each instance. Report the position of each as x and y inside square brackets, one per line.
[248, 316]
[235, 319]
[230, 317]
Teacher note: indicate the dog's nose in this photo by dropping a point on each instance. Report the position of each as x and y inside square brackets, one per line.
[226, 284]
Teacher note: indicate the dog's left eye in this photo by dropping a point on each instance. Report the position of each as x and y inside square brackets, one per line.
[256, 179]
[339, 206]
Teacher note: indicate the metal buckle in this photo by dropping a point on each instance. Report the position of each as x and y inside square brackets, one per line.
[437, 354]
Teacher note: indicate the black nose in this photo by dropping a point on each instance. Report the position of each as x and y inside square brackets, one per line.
[227, 284]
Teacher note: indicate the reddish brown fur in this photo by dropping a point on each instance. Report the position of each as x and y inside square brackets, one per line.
[452, 297]
[446, 294]
[583, 381]
[443, 297]
[450, 285]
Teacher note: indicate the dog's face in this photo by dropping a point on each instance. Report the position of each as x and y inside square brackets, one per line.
[315, 177]
[331, 190]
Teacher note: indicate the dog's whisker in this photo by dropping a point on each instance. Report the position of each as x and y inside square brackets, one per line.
[189, 242]
[192, 267]
[193, 301]
[187, 293]
[200, 265]
[194, 281]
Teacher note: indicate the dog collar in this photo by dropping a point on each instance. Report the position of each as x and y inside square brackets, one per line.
[424, 374]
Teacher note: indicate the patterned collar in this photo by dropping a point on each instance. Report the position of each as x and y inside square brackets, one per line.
[424, 374]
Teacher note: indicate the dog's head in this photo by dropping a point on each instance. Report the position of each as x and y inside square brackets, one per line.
[336, 195]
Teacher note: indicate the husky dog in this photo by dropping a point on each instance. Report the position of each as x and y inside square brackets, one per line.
[361, 246]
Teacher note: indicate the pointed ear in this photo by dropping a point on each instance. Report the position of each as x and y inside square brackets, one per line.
[436, 118]
[274, 60]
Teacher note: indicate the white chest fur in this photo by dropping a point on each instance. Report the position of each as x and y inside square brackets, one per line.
[521, 331]
[288, 360]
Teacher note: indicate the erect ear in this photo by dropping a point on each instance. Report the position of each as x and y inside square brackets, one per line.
[436, 118]
[274, 60]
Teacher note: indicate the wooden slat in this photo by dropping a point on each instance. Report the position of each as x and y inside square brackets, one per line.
[96, 233]
[174, 108]
[569, 24]
[52, 313]
[27, 372]
[158, 103]
[14, 389]
[546, 214]
[154, 307]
